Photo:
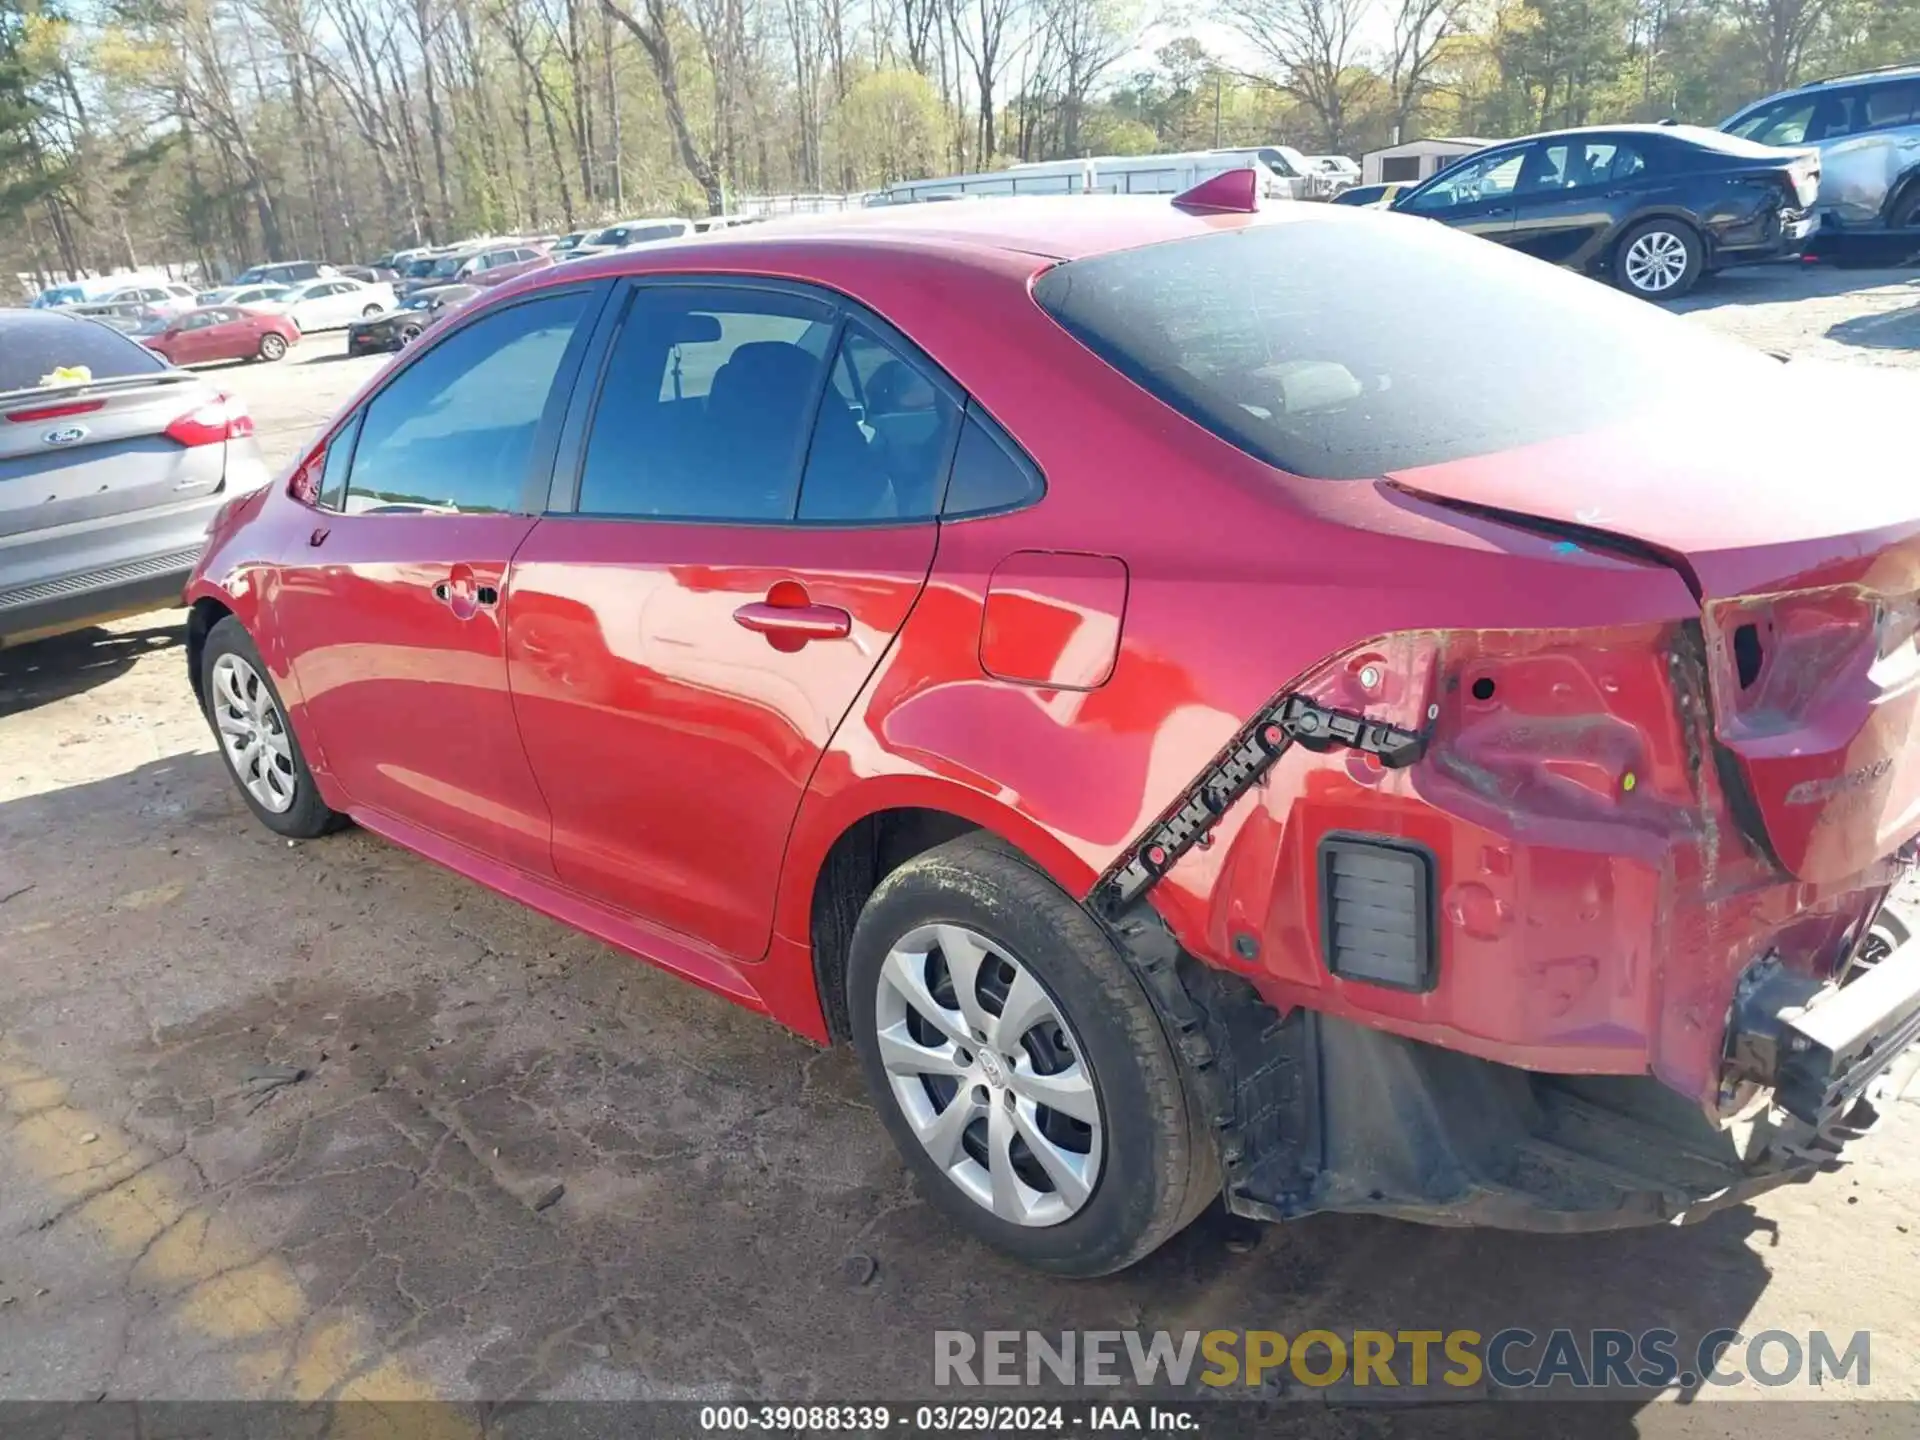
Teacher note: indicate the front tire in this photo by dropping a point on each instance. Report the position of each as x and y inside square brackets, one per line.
[251, 731]
[1019, 1066]
[1659, 259]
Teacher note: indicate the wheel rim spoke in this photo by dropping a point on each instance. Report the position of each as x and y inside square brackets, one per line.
[964, 953]
[907, 973]
[903, 1055]
[942, 1134]
[1067, 1170]
[1070, 1092]
[1008, 1201]
[1027, 1005]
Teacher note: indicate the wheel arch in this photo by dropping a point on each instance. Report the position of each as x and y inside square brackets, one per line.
[1905, 188]
[842, 848]
[206, 612]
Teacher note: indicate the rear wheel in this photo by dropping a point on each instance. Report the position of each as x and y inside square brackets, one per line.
[272, 346]
[370, 311]
[1659, 259]
[250, 726]
[408, 334]
[1018, 1065]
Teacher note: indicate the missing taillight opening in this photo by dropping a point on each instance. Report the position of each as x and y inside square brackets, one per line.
[1747, 654]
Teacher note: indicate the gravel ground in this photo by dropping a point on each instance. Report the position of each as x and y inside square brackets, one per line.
[176, 1223]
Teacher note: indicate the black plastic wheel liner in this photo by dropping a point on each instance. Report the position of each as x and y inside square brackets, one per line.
[1314, 1114]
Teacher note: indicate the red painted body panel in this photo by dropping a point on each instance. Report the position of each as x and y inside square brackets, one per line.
[672, 743]
[236, 340]
[408, 691]
[1600, 886]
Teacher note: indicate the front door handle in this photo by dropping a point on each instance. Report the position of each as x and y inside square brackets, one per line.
[462, 595]
[794, 624]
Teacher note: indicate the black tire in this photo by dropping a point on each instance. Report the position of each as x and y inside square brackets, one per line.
[307, 816]
[408, 334]
[370, 312]
[1158, 1169]
[1664, 237]
[272, 347]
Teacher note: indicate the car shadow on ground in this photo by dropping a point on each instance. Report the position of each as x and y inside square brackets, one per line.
[1781, 283]
[1893, 330]
[43, 671]
[563, 1172]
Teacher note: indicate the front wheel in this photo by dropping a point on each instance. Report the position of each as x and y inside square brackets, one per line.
[1019, 1066]
[272, 346]
[1659, 259]
[250, 726]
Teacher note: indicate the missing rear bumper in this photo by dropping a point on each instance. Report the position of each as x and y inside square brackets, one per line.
[1820, 1045]
[1317, 1114]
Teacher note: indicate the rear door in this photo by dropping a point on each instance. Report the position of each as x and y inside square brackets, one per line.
[390, 610]
[744, 517]
[1574, 194]
[229, 335]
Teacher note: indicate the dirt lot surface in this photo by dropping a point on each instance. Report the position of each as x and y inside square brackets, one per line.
[518, 1164]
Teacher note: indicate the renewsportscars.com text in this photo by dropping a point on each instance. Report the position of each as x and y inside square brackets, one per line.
[1510, 1359]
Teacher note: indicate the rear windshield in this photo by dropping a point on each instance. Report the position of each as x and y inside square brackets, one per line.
[1342, 351]
[34, 344]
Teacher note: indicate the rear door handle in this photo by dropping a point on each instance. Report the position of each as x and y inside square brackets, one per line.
[799, 623]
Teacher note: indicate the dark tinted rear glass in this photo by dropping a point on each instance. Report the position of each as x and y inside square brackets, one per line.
[33, 344]
[1344, 350]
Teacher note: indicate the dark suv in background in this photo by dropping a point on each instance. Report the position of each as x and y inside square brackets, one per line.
[1867, 129]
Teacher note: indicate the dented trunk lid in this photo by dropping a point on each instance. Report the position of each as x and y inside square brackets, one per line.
[1798, 529]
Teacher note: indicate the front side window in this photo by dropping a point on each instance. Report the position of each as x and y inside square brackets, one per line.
[455, 430]
[1493, 177]
[1255, 335]
[706, 404]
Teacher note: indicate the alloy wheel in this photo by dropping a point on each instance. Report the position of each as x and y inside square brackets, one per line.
[253, 733]
[989, 1074]
[1656, 261]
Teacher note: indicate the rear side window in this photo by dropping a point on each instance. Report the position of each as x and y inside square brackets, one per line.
[1885, 105]
[455, 430]
[989, 472]
[705, 406]
[881, 440]
[1453, 347]
[35, 343]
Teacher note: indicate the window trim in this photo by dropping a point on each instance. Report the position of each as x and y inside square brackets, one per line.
[569, 461]
[565, 380]
[1014, 451]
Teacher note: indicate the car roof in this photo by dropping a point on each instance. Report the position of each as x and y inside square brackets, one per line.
[1065, 227]
[1885, 74]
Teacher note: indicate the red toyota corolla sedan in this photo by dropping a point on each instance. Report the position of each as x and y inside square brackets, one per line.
[1300, 704]
[224, 332]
